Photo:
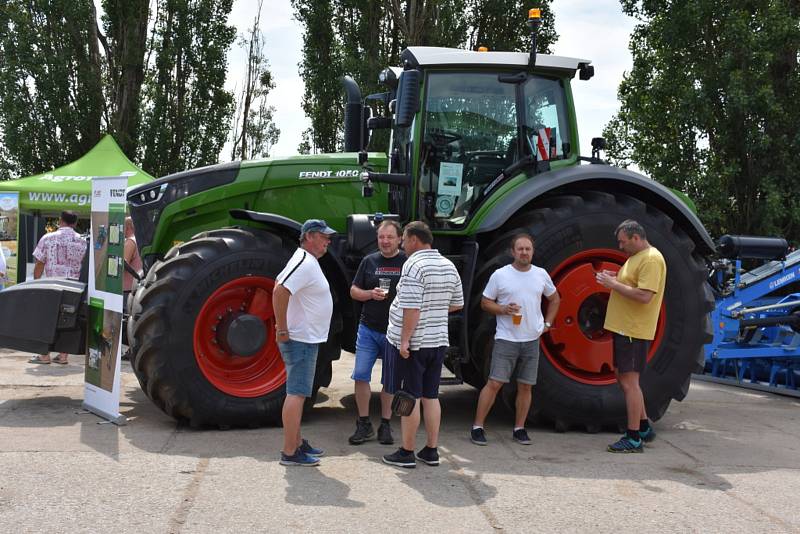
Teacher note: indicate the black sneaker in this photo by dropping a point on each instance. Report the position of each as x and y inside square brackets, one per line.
[428, 455]
[521, 437]
[385, 434]
[401, 458]
[364, 432]
[478, 437]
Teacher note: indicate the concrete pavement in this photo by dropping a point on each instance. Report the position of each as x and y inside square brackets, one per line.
[725, 460]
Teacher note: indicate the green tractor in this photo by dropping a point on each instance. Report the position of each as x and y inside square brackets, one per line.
[483, 145]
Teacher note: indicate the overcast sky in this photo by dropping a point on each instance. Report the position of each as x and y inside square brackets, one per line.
[595, 30]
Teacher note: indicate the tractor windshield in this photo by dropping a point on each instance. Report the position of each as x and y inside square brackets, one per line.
[471, 133]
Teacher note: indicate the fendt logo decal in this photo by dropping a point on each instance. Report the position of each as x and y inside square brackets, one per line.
[344, 173]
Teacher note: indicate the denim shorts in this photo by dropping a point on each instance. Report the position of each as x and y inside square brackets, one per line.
[300, 360]
[522, 355]
[369, 347]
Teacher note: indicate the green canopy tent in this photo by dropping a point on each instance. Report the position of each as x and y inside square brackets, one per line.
[66, 188]
[70, 187]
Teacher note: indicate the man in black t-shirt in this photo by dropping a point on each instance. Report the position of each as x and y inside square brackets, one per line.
[375, 285]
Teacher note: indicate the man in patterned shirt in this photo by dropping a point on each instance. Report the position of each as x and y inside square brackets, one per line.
[59, 254]
[417, 338]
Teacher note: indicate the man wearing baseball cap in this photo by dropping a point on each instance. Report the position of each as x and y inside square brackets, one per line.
[303, 306]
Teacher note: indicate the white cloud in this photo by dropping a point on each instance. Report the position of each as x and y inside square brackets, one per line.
[598, 31]
[283, 48]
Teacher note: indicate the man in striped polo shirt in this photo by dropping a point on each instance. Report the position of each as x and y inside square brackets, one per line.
[417, 338]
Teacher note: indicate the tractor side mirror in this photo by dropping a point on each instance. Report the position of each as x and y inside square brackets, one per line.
[598, 144]
[586, 71]
[407, 98]
[366, 134]
[379, 123]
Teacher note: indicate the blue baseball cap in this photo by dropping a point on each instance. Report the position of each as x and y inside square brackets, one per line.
[317, 225]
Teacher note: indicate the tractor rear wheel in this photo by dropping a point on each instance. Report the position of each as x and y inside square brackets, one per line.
[574, 236]
[203, 332]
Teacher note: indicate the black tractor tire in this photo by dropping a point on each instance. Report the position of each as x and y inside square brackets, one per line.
[165, 307]
[568, 224]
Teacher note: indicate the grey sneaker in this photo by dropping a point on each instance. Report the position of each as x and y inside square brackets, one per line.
[364, 432]
[521, 437]
[478, 437]
[385, 434]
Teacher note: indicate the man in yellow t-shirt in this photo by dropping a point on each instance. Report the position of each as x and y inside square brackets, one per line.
[632, 315]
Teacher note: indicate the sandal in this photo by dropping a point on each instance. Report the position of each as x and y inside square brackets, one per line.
[65, 361]
[38, 359]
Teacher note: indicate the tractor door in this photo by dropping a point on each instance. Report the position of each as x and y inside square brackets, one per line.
[476, 125]
[469, 136]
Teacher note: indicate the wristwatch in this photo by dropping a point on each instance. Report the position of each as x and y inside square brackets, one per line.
[547, 325]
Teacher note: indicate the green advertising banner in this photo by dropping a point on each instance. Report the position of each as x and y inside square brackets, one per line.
[101, 390]
[108, 240]
[9, 230]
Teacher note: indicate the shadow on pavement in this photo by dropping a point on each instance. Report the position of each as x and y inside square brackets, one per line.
[700, 443]
[309, 486]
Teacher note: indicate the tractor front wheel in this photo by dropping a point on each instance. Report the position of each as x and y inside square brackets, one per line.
[203, 330]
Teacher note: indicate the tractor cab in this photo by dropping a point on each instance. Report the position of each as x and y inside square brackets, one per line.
[466, 123]
[477, 120]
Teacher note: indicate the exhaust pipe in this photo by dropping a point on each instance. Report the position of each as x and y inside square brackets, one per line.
[353, 116]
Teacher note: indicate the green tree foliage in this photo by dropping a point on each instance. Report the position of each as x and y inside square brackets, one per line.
[187, 112]
[362, 37]
[711, 108]
[63, 82]
[124, 43]
[499, 25]
[254, 132]
[51, 99]
[320, 68]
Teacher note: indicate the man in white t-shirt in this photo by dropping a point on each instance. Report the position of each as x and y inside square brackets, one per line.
[514, 295]
[303, 306]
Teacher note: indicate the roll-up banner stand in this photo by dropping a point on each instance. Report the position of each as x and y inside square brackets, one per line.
[101, 392]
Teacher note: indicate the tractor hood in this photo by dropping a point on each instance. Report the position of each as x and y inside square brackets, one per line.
[201, 198]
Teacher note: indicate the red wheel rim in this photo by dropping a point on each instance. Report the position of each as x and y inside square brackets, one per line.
[250, 376]
[577, 345]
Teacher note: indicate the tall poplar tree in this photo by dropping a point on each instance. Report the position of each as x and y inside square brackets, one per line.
[188, 111]
[711, 108]
[124, 44]
[320, 69]
[51, 98]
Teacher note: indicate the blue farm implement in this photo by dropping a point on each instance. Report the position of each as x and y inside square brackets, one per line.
[756, 319]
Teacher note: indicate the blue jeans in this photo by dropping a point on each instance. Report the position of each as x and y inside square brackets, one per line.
[369, 347]
[300, 360]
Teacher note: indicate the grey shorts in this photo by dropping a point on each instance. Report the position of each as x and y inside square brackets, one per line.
[522, 355]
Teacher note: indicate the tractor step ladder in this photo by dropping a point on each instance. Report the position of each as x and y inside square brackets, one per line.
[458, 352]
